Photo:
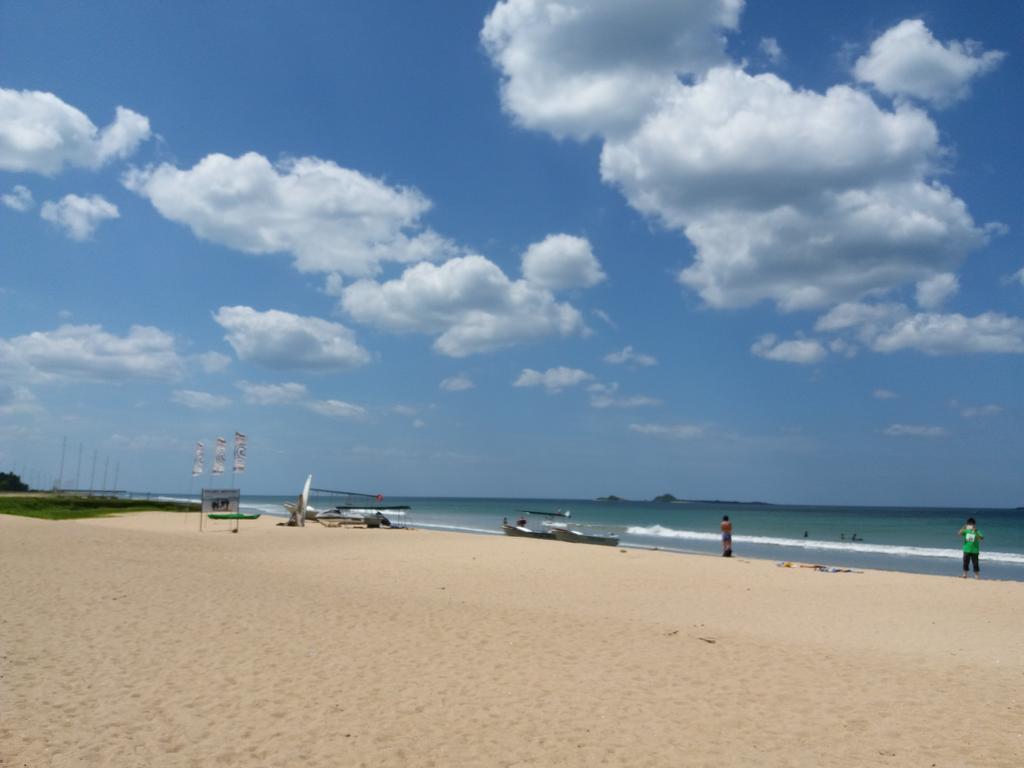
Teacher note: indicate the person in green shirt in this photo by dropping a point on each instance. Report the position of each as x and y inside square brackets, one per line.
[972, 545]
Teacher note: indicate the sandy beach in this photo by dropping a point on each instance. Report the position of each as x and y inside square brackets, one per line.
[136, 641]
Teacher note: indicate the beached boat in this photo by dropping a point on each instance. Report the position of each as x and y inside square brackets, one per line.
[522, 530]
[556, 513]
[233, 516]
[578, 537]
[371, 517]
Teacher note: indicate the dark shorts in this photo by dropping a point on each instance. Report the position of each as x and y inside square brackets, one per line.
[971, 557]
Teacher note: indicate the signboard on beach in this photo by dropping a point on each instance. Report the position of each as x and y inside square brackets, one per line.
[220, 500]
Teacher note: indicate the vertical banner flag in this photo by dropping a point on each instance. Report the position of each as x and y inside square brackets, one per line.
[197, 462]
[218, 456]
[239, 452]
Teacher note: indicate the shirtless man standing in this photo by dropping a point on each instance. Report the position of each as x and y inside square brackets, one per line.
[726, 537]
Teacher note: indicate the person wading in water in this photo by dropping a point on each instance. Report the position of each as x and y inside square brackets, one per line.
[726, 537]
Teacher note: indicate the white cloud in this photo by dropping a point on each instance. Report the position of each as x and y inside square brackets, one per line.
[203, 401]
[800, 198]
[674, 431]
[16, 400]
[605, 397]
[272, 394]
[18, 199]
[770, 47]
[884, 394]
[931, 293]
[892, 327]
[458, 383]
[403, 410]
[40, 133]
[553, 380]
[468, 301]
[562, 261]
[79, 216]
[951, 334]
[607, 320]
[793, 351]
[89, 352]
[914, 430]
[974, 411]
[281, 340]
[336, 408]
[585, 67]
[213, 362]
[628, 355]
[792, 196]
[907, 60]
[419, 423]
[330, 219]
[1018, 276]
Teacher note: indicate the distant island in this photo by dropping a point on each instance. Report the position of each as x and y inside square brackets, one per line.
[668, 498]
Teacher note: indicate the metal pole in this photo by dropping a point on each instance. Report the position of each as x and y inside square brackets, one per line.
[92, 477]
[117, 470]
[78, 469]
[60, 477]
[106, 466]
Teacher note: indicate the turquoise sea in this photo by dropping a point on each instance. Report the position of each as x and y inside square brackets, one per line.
[917, 540]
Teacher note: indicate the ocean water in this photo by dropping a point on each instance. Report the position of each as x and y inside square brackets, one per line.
[917, 540]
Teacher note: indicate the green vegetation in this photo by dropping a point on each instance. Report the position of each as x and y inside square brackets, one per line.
[54, 507]
[666, 497]
[11, 482]
[610, 498]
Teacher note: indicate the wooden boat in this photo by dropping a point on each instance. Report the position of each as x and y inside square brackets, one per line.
[556, 513]
[578, 537]
[522, 530]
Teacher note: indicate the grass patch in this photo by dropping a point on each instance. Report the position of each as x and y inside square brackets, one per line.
[54, 507]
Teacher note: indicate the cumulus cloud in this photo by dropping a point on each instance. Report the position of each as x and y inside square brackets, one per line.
[458, 383]
[950, 334]
[201, 401]
[884, 394]
[468, 301]
[1018, 276]
[931, 293]
[91, 353]
[627, 355]
[272, 394]
[79, 216]
[553, 379]
[18, 199]
[585, 67]
[792, 196]
[562, 261]
[892, 327]
[914, 430]
[802, 351]
[330, 219]
[673, 431]
[907, 60]
[279, 340]
[39, 133]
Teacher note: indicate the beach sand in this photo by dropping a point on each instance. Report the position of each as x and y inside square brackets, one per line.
[137, 641]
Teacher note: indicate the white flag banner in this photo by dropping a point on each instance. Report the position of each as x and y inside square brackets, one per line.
[218, 456]
[197, 462]
[240, 441]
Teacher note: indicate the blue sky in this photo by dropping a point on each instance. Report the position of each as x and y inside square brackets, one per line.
[722, 250]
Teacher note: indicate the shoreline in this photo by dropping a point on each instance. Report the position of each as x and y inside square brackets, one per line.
[141, 637]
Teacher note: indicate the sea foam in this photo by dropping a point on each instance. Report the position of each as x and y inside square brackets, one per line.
[660, 531]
